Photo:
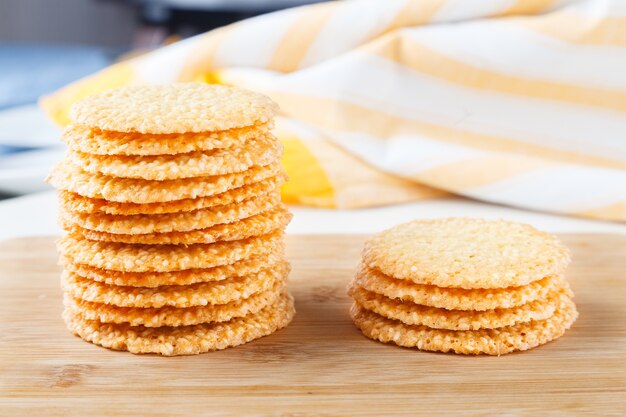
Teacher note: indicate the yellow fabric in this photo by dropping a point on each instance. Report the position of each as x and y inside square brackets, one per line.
[516, 102]
[308, 183]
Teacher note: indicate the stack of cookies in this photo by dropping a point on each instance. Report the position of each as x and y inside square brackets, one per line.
[170, 197]
[464, 285]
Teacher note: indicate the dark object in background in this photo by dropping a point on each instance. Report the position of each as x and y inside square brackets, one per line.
[162, 18]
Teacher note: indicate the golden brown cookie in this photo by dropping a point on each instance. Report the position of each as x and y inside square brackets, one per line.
[456, 298]
[165, 258]
[439, 318]
[500, 341]
[174, 316]
[261, 224]
[173, 108]
[67, 176]
[244, 267]
[182, 296]
[184, 340]
[466, 253]
[257, 152]
[107, 142]
[80, 204]
[138, 224]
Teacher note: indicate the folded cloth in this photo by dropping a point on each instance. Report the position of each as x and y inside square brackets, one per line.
[517, 102]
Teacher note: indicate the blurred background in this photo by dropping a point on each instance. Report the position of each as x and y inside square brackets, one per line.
[46, 44]
[390, 110]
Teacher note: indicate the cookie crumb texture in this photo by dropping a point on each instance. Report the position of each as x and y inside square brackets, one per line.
[175, 316]
[172, 222]
[174, 108]
[69, 177]
[260, 151]
[497, 342]
[468, 286]
[466, 253]
[184, 340]
[170, 198]
[79, 204]
[260, 224]
[107, 142]
[164, 258]
[153, 279]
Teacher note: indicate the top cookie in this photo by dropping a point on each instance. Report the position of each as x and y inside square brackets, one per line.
[466, 253]
[174, 108]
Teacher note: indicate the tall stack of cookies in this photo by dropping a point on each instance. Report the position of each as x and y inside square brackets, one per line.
[468, 286]
[170, 197]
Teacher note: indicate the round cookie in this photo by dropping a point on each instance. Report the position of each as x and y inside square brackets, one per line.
[261, 224]
[164, 258]
[173, 316]
[181, 296]
[184, 340]
[457, 298]
[67, 176]
[107, 142]
[240, 268]
[79, 204]
[501, 341]
[173, 108]
[258, 152]
[439, 318]
[466, 253]
[172, 222]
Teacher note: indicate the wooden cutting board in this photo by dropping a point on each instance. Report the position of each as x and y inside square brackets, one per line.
[320, 365]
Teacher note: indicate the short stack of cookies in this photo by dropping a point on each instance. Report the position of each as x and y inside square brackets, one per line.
[468, 286]
[170, 197]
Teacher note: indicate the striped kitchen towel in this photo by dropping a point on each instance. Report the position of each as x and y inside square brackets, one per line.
[516, 102]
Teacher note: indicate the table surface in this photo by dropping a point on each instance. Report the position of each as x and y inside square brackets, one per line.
[320, 365]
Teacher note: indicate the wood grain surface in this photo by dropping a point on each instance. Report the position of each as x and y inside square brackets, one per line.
[320, 365]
